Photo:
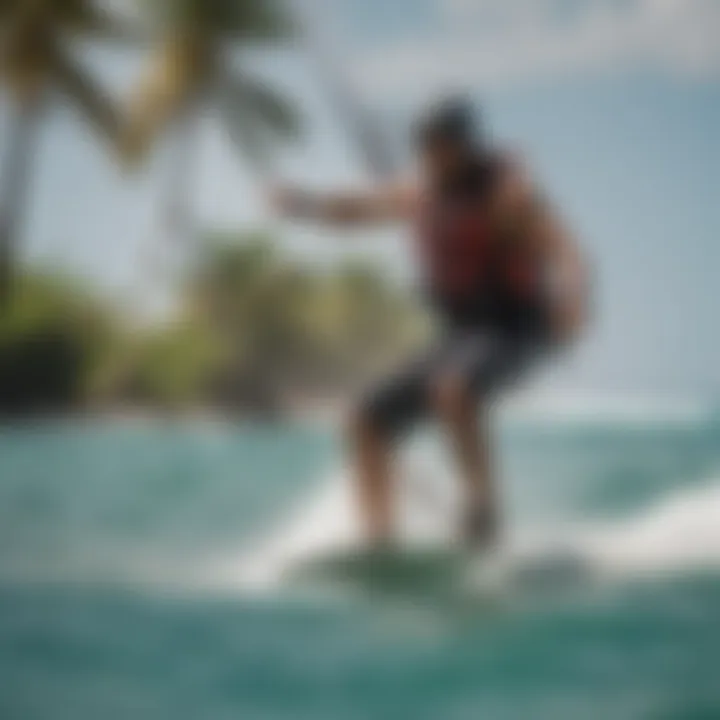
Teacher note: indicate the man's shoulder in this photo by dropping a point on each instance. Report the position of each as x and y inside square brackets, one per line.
[511, 165]
[514, 184]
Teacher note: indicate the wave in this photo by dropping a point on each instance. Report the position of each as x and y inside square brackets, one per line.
[564, 408]
[680, 533]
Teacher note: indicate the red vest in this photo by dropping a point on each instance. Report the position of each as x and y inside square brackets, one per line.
[470, 268]
[455, 246]
[464, 259]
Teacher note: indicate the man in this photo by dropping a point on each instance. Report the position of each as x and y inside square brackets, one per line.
[506, 281]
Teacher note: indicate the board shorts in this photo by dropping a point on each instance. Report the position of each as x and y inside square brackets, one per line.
[484, 360]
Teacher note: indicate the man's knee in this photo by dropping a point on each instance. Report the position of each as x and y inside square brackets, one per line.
[452, 399]
[360, 424]
[366, 424]
[382, 416]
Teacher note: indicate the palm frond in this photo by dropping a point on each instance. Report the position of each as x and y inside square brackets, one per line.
[84, 16]
[7, 8]
[247, 138]
[229, 19]
[255, 117]
[268, 107]
[92, 100]
[101, 24]
[178, 72]
[264, 20]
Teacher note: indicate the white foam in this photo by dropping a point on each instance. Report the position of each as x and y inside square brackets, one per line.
[680, 533]
[331, 522]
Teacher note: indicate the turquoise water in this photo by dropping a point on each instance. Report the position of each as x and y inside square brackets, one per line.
[103, 527]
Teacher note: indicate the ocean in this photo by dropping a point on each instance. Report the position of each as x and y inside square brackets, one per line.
[142, 575]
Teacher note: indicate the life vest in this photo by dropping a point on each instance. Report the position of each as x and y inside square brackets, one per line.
[468, 267]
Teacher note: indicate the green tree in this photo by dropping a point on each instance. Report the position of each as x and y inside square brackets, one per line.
[171, 367]
[192, 67]
[54, 339]
[34, 58]
[259, 305]
[292, 330]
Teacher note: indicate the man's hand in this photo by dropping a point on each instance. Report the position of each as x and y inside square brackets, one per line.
[567, 293]
[293, 202]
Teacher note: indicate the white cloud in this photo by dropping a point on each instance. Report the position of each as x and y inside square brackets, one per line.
[491, 42]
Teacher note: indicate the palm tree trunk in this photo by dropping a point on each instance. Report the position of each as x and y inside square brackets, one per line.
[15, 188]
[179, 215]
[172, 244]
[172, 233]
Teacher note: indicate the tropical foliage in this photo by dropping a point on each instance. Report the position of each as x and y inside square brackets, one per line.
[192, 63]
[55, 339]
[252, 332]
[190, 44]
[35, 58]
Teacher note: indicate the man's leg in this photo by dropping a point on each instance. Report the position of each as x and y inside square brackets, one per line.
[372, 453]
[477, 365]
[377, 426]
[468, 427]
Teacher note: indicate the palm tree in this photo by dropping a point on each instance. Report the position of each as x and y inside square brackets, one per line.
[191, 68]
[34, 58]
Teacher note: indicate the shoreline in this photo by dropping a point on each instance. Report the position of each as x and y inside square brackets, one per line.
[323, 415]
[549, 410]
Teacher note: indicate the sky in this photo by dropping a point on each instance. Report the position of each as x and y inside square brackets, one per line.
[614, 103]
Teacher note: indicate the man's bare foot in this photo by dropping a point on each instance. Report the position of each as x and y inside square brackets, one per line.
[381, 545]
[481, 527]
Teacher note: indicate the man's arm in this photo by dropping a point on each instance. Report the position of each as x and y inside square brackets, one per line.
[384, 205]
[566, 277]
[564, 270]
